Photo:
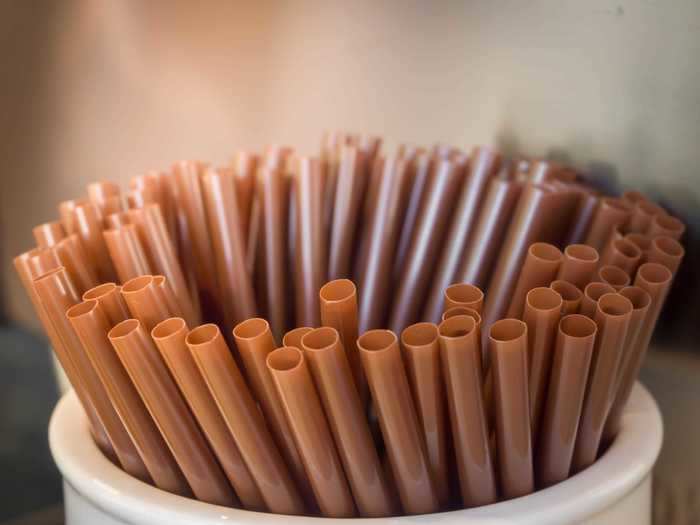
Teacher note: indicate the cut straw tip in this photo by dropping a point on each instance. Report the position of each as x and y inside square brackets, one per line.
[320, 338]
[337, 291]
[578, 325]
[137, 284]
[285, 359]
[457, 326]
[251, 328]
[123, 329]
[202, 335]
[543, 298]
[509, 329]
[81, 309]
[168, 327]
[419, 335]
[99, 291]
[376, 340]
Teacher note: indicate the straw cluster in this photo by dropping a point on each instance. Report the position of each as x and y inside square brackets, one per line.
[412, 392]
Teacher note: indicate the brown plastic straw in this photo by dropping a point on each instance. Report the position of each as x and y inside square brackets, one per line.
[57, 295]
[539, 207]
[311, 262]
[641, 241]
[421, 172]
[491, 227]
[235, 285]
[381, 244]
[578, 264]
[273, 195]
[655, 279]
[667, 251]
[89, 227]
[338, 301]
[612, 316]
[197, 239]
[245, 167]
[567, 387]
[540, 268]
[543, 307]
[244, 420]
[622, 253]
[293, 337]
[381, 359]
[464, 294]
[145, 301]
[255, 342]
[508, 349]
[611, 212]
[170, 412]
[101, 194]
[310, 431]
[126, 252]
[117, 220]
[162, 255]
[461, 310]
[612, 275]
[48, 234]
[110, 301]
[461, 367]
[27, 274]
[424, 249]
[421, 353]
[642, 215]
[66, 213]
[352, 183]
[332, 375]
[591, 294]
[666, 225]
[570, 294]
[169, 336]
[582, 217]
[483, 163]
[72, 255]
[91, 325]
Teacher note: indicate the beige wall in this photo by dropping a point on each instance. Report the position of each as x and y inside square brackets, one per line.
[101, 89]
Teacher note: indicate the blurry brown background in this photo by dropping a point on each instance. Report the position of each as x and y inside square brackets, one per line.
[108, 89]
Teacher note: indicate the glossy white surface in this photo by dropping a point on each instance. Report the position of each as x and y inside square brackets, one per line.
[614, 490]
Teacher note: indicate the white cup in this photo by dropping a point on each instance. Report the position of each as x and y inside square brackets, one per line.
[615, 490]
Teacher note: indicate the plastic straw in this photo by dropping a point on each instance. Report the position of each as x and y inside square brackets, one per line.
[461, 367]
[643, 213]
[612, 316]
[381, 359]
[421, 355]
[244, 420]
[508, 349]
[88, 225]
[110, 302]
[578, 264]
[582, 217]
[343, 406]
[622, 253]
[126, 252]
[145, 301]
[540, 268]
[48, 234]
[310, 431]
[101, 194]
[570, 294]
[66, 213]
[666, 225]
[464, 294]
[611, 212]
[567, 387]
[666, 251]
[613, 275]
[591, 294]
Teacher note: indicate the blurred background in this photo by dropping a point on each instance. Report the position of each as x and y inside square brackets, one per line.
[107, 90]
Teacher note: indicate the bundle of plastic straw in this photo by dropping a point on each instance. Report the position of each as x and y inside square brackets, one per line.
[358, 333]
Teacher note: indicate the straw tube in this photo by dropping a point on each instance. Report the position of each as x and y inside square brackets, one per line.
[612, 275]
[91, 325]
[235, 285]
[101, 195]
[567, 386]
[621, 253]
[169, 337]
[582, 217]
[245, 168]
[72, 255]
[461, 367]
[293, 337]
[591, 294]
[666, 225]
[540, 268]
[126, 252]
[27, 274]
[110, 301]
[643, 213]
[244, 419]
[311, 433]
[67, 217]
[273, 195]
[421, 355]
[612, 317]
[578, 264]
[89, 227]
[424, 249]
[543, 307]
[461, 310]
[255, 342]
[494, 218]
[311, 264]
[327, 360]
[508, 349]
[381, 359]
[464, 294]
[666, 251]
[48, 234]
[145, 301]
[483, 163]
[57, 294]
[655, 279]
[168, 409]
[611, 212]
[339, 310]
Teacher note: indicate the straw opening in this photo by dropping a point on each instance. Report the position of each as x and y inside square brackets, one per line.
[457, 326]
[546, 251]
[419, 334]
[320, 338]
[508, 330]
[284, 359]
[251, 328]
[637, 296]
[654, 273]
[567, 290]
[99, 291]
[614, 276]
[595, 291]
[581, 252]
[337, 291]
[464, 293]
[137, 284]
[669, 223]
[462, 310]
[167, 328]
[614, 304]
[627, 248]
[544, 299]
[669, 246]
[577, 325]
[202, 334]
[376, 340]
[81, 309]
[123, 329]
